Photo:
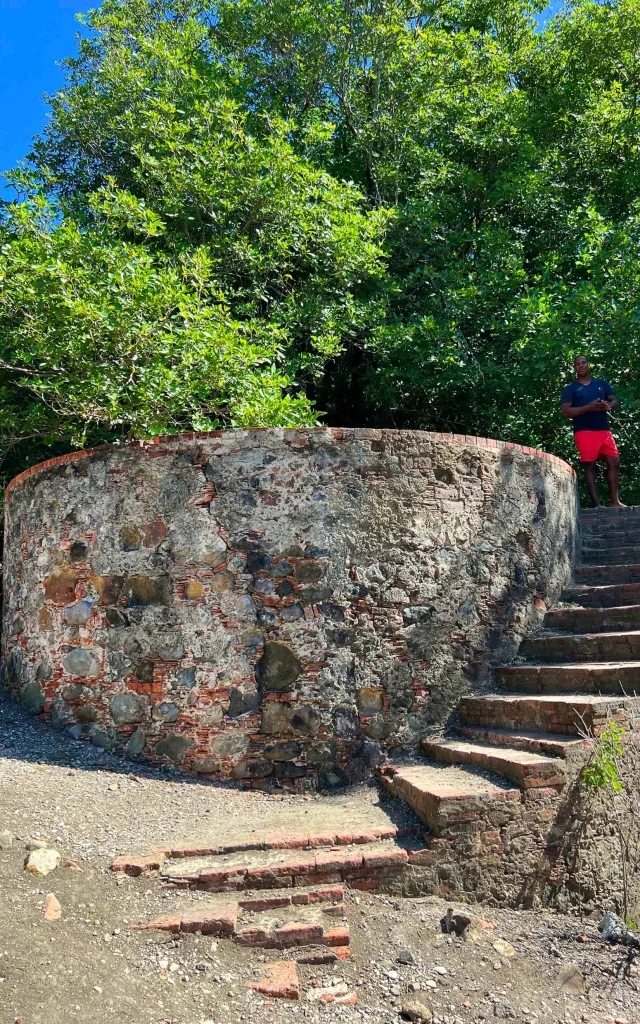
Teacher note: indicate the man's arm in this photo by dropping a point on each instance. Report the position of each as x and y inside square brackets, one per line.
[571, 411]
[612, 402]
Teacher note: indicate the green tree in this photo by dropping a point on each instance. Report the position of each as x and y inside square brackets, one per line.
[415, 212]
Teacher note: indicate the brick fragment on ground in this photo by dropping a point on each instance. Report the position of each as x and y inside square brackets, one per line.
[136, 866]
[52, 908]
[279, 981]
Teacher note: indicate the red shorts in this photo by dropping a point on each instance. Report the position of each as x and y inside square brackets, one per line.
[595, 444]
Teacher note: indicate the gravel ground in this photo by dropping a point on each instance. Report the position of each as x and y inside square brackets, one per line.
[89, 966]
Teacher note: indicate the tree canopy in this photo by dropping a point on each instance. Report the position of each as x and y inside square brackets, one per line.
[273, 212]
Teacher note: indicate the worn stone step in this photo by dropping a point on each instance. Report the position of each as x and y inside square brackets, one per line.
[551, 744]
[615, 678]
[570, 714]
[622, 646]
[598, 575]
[603, 540]
[526, 769]
[361, 865]
[612, 556]
[594, 620]
[449, 796]
[611, 596]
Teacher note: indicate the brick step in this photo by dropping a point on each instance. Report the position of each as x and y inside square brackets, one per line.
[623, 646]
[615, 678]
[598, 575]
[284, 840]
[570, 714]
[361, 865]
[611, 539]
[611, 556]
[526, 769]
[551, 744]
[594, 620]
[279, 920]
[618, 595]
[449, 796]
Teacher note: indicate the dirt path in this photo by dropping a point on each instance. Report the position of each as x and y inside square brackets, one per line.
[89, 966]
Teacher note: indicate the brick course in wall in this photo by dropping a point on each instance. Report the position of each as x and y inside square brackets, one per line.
[277, 606]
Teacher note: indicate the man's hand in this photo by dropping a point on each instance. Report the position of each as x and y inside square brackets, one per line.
[600, 405]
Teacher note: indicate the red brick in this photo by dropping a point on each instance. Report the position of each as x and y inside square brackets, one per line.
[135, 866]
[279, 981]
[298, 933]
[334, 894]
[267, 902]
[386, 859]
[337, 937]
[322, 839]
[218, 875]
[211, 921]
[338, 860]
[161, 924]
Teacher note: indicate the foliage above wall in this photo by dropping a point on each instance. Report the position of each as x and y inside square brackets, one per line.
[401, 213]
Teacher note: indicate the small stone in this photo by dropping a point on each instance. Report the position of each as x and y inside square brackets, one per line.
[504, 949]
[52, 908]
[415, 1010]
[571, 980]
[32, 698]
[6, 839]
[136, 743]
[42, 862]
[440, 970]
[165, 712]
[173, 747]
[430, 983]
[405, 956]
[193, 590]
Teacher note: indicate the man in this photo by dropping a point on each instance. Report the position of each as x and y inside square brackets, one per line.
[587, 401]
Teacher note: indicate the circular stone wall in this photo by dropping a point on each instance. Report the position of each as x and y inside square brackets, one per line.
[276, 604]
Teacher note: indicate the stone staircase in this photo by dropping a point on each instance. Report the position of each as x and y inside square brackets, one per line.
[506, 767]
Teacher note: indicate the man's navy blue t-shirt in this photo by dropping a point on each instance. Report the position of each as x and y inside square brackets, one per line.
[583, 394]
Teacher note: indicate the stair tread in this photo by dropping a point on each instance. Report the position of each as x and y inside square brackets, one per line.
[553, 698]
[535, 735]
[490, 750]
[555, 635]
[449, 781]
[574, 666]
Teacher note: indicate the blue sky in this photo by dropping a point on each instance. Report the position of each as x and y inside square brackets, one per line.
[34, 34]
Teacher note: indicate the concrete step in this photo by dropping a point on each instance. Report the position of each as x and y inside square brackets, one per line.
[604, 575]
[447, 796]
[623, 646]
[594, 620]
[569, 714]
[524, 768]
[614, 678]
[603, 540]
[551, 744]
[610, 556]
[618, 595]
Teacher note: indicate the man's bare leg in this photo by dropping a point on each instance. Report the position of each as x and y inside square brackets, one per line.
[590, 480]
[613, 481]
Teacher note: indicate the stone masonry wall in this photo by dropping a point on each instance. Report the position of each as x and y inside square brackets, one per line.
[276, 604]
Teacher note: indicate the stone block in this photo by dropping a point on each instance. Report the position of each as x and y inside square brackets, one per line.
[82, 663]
[278, 668]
